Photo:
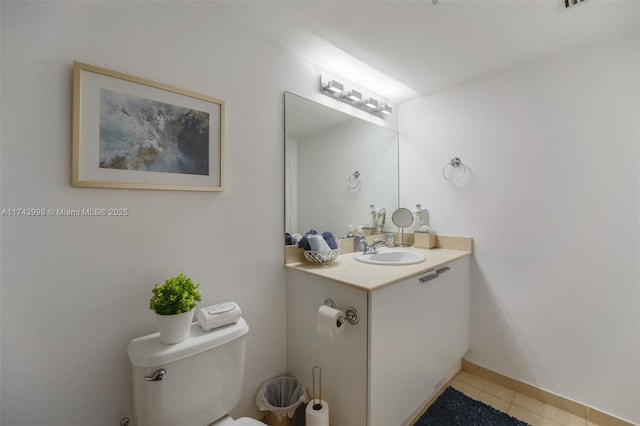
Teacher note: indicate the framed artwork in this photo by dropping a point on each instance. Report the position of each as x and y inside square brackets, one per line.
[133, 133]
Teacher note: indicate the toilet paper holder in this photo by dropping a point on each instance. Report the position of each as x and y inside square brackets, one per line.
[351, 314]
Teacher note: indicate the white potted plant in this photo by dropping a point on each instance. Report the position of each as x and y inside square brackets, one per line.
[174, 303]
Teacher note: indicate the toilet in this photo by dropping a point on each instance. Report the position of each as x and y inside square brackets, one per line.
[193, 383]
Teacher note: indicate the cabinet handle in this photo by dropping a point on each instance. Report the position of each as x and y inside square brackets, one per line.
[443, 270]
[428, 277]
[435, 274]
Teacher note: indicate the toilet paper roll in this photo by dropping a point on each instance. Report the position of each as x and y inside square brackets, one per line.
[327, 321]
[317, 417]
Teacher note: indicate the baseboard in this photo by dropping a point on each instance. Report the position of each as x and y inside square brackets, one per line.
[565, 404]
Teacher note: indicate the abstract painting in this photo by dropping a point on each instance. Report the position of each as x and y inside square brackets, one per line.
[142, 134]
[133, 133]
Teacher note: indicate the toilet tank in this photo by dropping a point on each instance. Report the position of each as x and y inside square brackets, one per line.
[202, 379]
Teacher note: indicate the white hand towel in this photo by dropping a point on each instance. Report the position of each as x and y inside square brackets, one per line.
[317, 243]
[218, 315]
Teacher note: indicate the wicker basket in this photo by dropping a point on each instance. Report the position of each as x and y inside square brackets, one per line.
[321, 257]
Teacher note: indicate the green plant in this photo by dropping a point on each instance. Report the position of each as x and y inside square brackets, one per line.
[176, 296]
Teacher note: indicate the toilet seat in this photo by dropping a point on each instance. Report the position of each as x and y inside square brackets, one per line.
[248, 421]
[243, 421]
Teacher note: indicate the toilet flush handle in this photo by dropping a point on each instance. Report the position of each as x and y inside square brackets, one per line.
[156, 376]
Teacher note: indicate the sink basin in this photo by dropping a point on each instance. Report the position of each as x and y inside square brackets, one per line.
[391, 257]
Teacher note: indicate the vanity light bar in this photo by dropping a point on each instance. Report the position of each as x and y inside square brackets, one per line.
[385, 109]
[353, 97]
[371, 103]
[334, 87]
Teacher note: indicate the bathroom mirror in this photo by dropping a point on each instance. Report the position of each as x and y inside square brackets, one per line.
[402, 217]
[324, 151]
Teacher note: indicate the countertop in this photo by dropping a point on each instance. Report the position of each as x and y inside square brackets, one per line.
[345, 269]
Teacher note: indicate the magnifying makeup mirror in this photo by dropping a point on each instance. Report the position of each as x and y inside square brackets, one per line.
[402, 218]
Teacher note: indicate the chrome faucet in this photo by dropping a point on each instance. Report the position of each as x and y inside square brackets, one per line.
[373, 248]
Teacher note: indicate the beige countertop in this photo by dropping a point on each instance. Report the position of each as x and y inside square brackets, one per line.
[365, 276]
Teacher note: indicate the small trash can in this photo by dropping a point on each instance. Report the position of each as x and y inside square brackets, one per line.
[280, 397]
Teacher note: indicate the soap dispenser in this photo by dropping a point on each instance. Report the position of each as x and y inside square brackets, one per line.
[421, 219]
[374, 217]
[360, 240]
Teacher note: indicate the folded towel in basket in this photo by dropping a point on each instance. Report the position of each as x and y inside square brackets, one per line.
[288, 239]
[304, 242]
[317, 243]
[330, 239]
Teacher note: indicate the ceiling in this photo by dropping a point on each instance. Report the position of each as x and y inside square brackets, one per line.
[427, 48]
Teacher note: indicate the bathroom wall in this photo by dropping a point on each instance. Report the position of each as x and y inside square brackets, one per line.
[75, 290]
[551, 198]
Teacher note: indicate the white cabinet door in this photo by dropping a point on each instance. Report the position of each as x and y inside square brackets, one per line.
[419, 330]
[343, 358]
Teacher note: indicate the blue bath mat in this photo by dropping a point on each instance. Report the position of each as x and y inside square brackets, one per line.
[453, 408]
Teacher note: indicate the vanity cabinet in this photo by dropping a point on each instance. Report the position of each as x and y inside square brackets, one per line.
[419, 331]
[410, 339]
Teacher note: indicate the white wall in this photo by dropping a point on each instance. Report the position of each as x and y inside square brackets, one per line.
[551, 200]
[75, 290]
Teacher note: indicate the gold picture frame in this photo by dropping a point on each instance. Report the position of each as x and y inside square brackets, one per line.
[133, 133]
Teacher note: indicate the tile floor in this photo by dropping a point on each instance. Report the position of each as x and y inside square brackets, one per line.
[522, 407]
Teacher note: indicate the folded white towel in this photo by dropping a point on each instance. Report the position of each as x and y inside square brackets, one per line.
[219, 315]
[317, 243]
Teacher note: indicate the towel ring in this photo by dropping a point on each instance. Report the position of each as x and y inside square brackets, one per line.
[455, 163]
[353, 181]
